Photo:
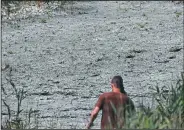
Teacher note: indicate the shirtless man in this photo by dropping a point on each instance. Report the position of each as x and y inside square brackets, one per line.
[113, 105]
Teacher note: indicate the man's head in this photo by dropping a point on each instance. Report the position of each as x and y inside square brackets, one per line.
[117, 83]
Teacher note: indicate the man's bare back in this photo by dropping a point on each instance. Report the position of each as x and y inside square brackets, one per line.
[113, 105]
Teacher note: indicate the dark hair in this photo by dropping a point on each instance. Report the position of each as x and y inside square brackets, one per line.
[119, 83]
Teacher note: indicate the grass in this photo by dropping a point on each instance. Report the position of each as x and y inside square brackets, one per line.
[168, 113]
[178, 13]
[43, 21]
[15, 121]
[142, 25]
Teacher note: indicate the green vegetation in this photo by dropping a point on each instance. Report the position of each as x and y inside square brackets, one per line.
[142, 25]
[168, 113]
[43, 21]
[11, 9]
[178, 13]
[15, 121]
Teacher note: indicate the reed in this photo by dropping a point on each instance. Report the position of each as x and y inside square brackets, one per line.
[168, 113]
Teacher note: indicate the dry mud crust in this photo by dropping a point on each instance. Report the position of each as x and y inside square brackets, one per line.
[66, 61]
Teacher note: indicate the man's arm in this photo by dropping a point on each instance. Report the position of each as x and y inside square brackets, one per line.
[97, 108]
[94, 114]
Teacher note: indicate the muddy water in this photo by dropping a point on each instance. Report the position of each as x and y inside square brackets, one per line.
[66, 60]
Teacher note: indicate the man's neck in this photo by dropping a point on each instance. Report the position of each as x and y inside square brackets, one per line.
[116, 90]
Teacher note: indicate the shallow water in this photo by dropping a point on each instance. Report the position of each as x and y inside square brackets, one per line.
[66, 60]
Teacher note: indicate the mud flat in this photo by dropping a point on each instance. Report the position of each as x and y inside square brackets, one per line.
[66, 60]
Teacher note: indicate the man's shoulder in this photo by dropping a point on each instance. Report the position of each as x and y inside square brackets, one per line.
[105, 94]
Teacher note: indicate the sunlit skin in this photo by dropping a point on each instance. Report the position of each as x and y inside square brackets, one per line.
[95, 111]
